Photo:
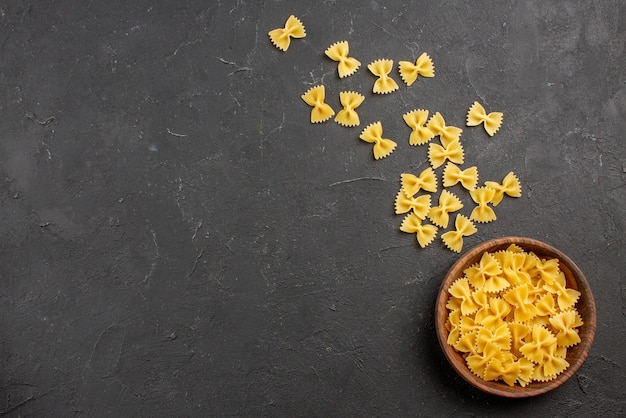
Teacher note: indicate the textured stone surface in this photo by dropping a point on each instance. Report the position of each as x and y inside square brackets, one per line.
[177, 240]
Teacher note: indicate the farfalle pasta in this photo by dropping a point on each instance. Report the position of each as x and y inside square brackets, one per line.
[425, 233]
[419, 205]
[448, 203]
[510, 186]
[373, 134]
[463, 228]
[416, 120]
[438, 154]
[346, 66]
[412, 184]
[381, 69]
[506, 321]
[315, 97]
[281, 37]
[347, 116]
[447, 134]
[423, 66]
[491, 121]
[482, 212]
[452, 175]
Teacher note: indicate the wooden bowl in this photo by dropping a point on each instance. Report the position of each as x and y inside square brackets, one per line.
[586, 307]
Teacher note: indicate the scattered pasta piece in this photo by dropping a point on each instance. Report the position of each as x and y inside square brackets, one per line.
[482, 213]
[448, 203]
[373, 134]
[423, 66]
[447, 134]
[454, 239]
[314, 97]
[477, 115]
[420, 205]
[503, 330]
[350, 101]
[453, 174]
[416, 120]
[384, 84]
[281, 37]
[426, 233]
[411, 184]
[437, 154]
[346, 65]
[510, 186]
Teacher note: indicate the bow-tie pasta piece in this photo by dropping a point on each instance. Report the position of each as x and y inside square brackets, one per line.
[373, 134]
[346, 65]
[564, 323]
[541, 345]
[523, 308]
[411, 184]
[423, 66]
[416, 120]
[461, 290]
[487, 267]
[510, 186]
[426, 233]
[420, 205]
[566, 297]
[448, 203]
[437, 154]
[281, 37]
[482, 213]
[452, 174]
[347, 116]
[477, 115]
[314, 97]
[500, 337]
[447, 134]
[454, 239]
[381, 69]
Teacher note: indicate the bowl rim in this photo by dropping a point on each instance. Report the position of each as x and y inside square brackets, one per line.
[497, 387]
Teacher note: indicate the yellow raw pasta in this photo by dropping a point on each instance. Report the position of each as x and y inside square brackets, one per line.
[382, 146]
[447, 134]
[281, 37]
[420, 205]
[346, 65]
[411, 184]
[454, 239]
[453, 174]
[508, 326]
[437, 154]
[477, 115]
[510, 186]
[423, 66]
[347, 116]
[321, 111]
[448, 203]
[460, 289]
[416, 120]
[482, 213]
[412, 224]
[384, 84]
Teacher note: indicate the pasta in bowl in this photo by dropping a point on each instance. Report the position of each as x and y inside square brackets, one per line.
[515, 317]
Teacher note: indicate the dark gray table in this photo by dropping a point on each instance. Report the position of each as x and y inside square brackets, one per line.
[176, 238]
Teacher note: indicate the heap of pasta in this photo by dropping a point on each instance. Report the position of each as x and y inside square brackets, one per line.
[513, 317]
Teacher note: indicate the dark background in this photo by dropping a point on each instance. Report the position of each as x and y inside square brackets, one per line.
[176, 239]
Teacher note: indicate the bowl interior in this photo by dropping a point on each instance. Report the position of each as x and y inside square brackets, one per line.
[575, 279]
